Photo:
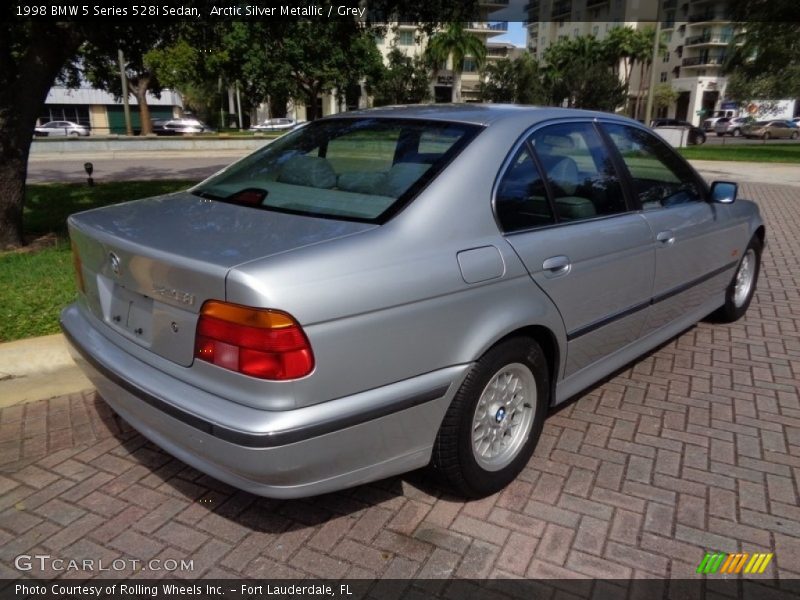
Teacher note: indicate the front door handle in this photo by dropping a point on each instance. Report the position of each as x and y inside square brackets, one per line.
[665, 237]
[556, 265]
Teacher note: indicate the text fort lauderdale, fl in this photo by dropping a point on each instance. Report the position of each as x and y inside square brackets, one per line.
[284, 11]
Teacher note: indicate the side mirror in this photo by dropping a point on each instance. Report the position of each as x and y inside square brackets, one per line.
[723, 192]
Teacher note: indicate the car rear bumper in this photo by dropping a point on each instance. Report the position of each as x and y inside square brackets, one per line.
[302, 452]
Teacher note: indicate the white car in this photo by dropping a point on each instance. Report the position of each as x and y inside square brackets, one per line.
[61, 128]
[278, 124]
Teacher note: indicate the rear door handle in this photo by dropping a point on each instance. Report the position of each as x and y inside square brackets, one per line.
[556, 265]
[665, 237]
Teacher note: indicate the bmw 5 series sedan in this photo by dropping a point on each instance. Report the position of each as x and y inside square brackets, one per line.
[388, 289]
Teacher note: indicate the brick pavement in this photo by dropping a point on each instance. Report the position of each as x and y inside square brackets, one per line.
[695, 447]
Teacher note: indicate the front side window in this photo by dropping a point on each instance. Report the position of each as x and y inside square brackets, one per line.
[660, 178]
[579, 171]
[359, 169]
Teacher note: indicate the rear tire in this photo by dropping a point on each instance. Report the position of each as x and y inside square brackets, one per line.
[766, 136]
[737, 132]
[740, 292]
[495, 419]
[794, 135]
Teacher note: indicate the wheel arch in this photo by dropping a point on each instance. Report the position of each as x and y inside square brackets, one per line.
[547, 341]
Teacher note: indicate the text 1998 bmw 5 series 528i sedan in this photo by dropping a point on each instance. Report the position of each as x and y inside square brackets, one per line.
[387, 289]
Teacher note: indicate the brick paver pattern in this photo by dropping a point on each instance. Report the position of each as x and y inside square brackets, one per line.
[693, 448]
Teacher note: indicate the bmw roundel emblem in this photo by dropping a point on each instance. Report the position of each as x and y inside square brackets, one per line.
[115, 263]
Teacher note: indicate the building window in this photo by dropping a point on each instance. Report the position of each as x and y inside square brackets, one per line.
[595, 30]
[663, 77]
[665, 58]
[405, 38]
[469, 65]
[576, 32]
[666, 36]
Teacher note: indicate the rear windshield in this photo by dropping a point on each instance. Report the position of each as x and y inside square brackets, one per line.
[360, 169]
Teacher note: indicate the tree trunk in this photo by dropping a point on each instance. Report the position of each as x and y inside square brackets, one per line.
[24, 83]
[456, 92]
[139, 90]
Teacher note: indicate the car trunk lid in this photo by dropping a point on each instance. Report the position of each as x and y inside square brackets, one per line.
[147, 266]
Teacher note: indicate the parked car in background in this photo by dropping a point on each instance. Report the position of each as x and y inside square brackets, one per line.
[61, 128]
[711, 122]
[695, 135]
[383, 289]
[732, 125]
[180, 126]
[277, 124]
[777, 129]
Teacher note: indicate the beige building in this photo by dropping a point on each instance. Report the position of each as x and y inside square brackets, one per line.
[696, 33]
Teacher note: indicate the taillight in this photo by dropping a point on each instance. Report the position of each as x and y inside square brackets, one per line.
[263, 343]
[76, 262]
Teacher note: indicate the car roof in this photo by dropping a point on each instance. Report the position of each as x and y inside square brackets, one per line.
[478, 114]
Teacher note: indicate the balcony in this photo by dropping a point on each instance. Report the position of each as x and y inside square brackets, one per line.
[562, 9]
[708, 16]
[709, 39]
[499, 26]
[596, 3]
[668, 24]
[483, 27]
[493, 2]
[668, 4]
[703, 61]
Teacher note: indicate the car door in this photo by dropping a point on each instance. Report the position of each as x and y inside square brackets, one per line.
[694, 253]
[561, 205]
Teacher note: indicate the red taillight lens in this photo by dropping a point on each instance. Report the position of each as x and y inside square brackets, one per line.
[262, 343]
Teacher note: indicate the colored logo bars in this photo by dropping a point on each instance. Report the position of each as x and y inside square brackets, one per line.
[719, 562]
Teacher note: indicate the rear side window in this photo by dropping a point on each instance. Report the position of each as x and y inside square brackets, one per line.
[579, 171]
[521, 201]
[660, 178]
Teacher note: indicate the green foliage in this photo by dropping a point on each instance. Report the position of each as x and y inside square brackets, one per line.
[764, 58]
[518, 80]
[664, 95]
[405, 80]
[580, 74]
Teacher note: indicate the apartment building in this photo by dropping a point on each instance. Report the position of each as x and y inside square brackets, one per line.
[696, 33]
[408, 37]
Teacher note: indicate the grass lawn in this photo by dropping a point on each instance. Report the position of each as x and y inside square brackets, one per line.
[37, 284]
[779, 153]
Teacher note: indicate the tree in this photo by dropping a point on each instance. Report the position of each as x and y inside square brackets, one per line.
[580, 74]
[322, 56]
[517, 80]
[100, 64]
[32, 53]
[455, 44]
[664, 95]
[763, 59]
[404, 81]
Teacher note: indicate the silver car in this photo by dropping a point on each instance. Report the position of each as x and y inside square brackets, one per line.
[388, 289]
[61, 129]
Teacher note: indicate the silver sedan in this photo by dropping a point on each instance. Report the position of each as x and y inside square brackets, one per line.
[383, 290]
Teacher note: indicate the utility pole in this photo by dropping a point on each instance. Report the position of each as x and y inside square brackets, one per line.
[124, 79]
[648, 112]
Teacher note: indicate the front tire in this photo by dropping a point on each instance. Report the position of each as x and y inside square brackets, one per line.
[495, 419]
[794, 135]
[740, 292]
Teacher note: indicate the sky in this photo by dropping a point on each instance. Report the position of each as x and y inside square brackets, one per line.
[515, 35]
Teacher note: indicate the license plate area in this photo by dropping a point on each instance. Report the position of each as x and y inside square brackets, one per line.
[132, 314]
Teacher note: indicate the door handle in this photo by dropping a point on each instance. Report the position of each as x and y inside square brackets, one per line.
[665, 237]
[556, 265]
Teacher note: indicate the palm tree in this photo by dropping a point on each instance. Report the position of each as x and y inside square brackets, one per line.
[456, 44]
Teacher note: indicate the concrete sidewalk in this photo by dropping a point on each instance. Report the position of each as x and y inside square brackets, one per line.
[38, 368]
